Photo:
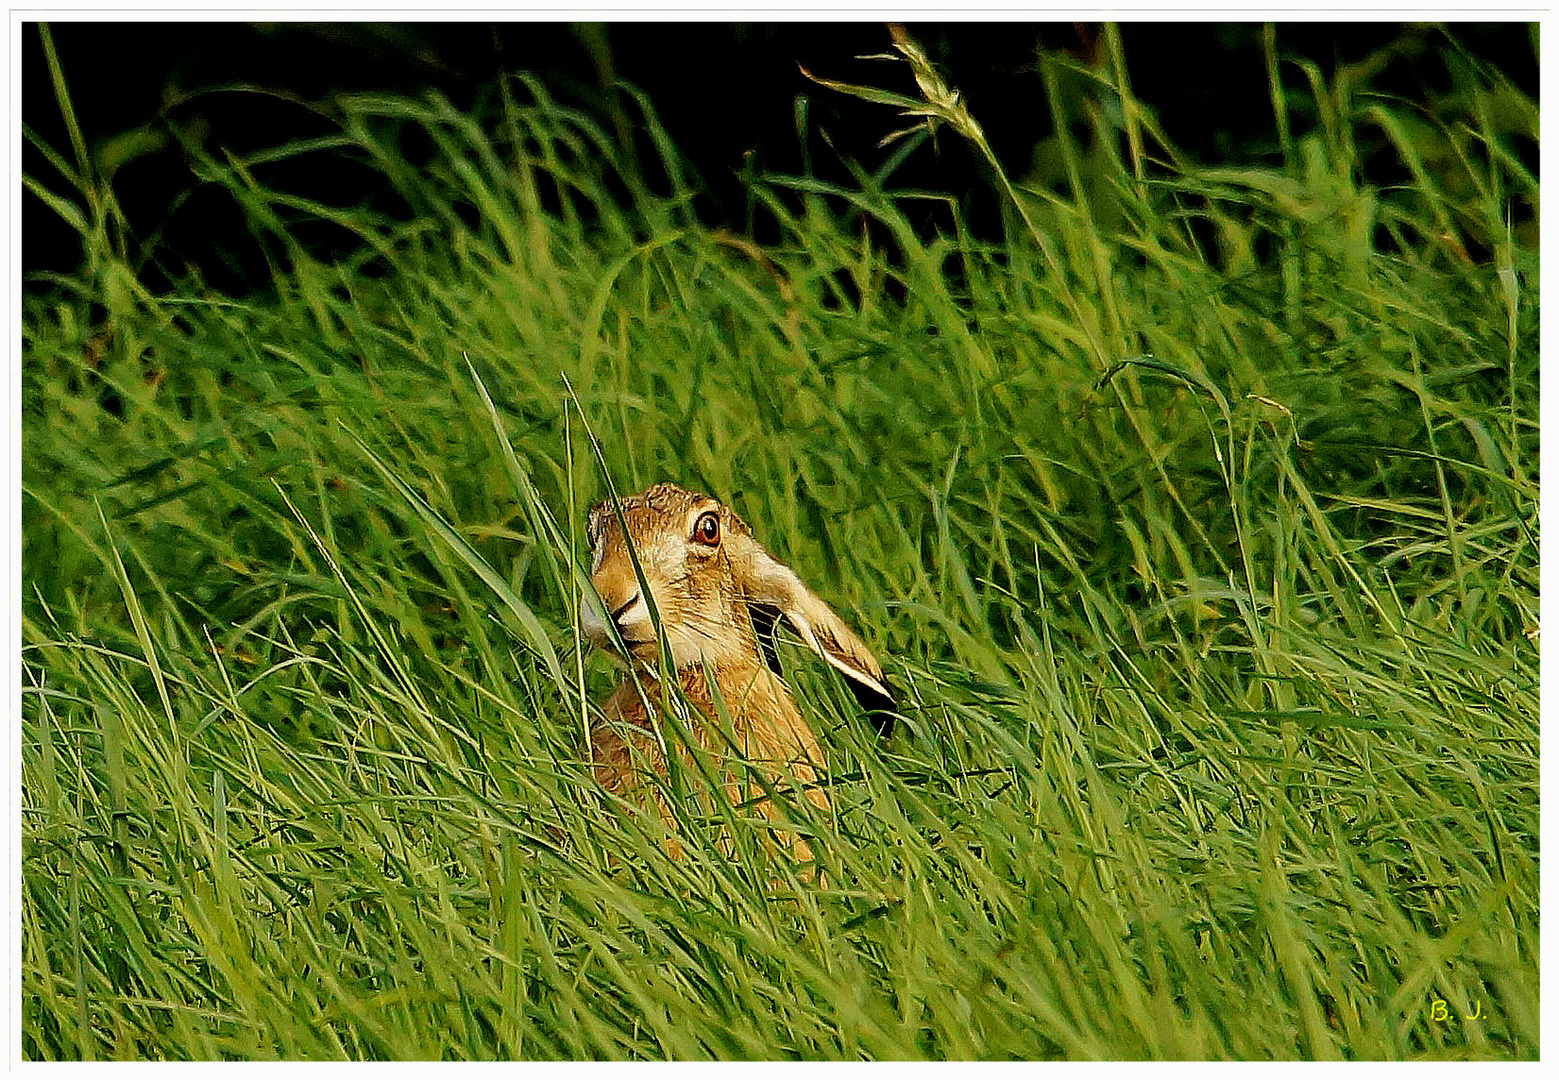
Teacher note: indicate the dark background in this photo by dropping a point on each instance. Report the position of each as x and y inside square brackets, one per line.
[726, 93]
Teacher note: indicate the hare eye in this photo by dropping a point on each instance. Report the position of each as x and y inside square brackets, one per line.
[707, 529]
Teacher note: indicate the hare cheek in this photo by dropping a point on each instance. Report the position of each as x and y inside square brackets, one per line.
[685, 651]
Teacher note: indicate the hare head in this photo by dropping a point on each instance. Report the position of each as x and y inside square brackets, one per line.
[716, 591]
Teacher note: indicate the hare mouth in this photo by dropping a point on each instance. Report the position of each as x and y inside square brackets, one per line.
[634, 648]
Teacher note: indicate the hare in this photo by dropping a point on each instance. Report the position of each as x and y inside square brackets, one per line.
[717, 594]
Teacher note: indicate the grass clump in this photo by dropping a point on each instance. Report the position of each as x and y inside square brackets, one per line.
[1195, 516]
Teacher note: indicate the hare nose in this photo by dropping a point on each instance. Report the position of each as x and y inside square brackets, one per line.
[632, 619]
[623, 607]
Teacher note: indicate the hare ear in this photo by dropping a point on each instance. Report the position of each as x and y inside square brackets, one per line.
[773, 591]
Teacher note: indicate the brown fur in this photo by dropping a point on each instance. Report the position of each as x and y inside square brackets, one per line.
[766, 730]
[703, 590]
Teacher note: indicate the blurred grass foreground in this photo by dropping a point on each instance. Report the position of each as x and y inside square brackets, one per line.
[1195, 516]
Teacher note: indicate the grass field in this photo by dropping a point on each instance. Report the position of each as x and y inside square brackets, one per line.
[1195, 520]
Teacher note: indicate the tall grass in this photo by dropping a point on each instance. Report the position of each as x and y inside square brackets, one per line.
[1196, 519]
